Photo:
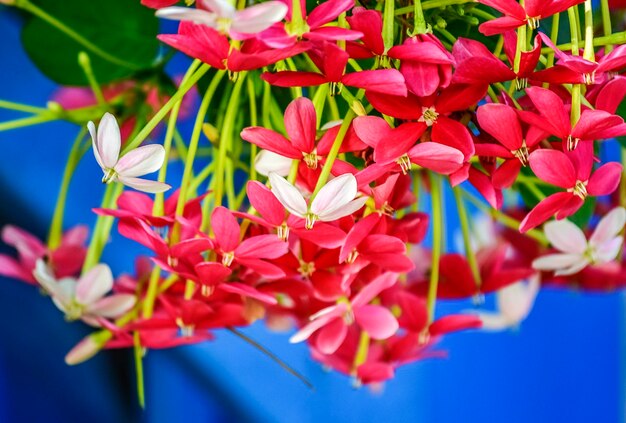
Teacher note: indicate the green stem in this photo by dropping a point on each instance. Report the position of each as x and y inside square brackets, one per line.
[141, 395]
[606, 22]
[191, 153]
[573, 28]
[589, 53]
[388, 23]
[158, 117]
[467, 240]
[334, 150]
[554, 37]
[361, 352]
[437, 206]
[10, 105]
[56, 228]
[29, 121]
[85, 63]
[433, 4]
[56, 23]
[253, 122]
[419, 21]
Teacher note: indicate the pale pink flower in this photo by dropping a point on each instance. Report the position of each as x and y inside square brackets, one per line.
[138, 162]
[85, 298]
[336, 199]
[514, 303]
[222, 16]
[82, 351]
[576, 252]
[267, 162]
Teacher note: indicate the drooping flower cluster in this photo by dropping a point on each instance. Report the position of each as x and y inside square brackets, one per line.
[329, 240]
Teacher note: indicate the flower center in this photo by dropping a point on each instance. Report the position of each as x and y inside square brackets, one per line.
[352, 256]
[309, 220]
[589, 78]
[109, 176]
[521, 153]
[429, 116]
[223, 25]
[335, 88]
[227, 258]
[572, 143]
[185, 330]
[405, 164]
[74, 311]
[533, 22]
[306, 269]
[580, 189]
[283, 232]
[311, 159]
[521, 83]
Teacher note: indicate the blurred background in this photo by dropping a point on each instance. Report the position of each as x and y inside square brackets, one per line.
[564, 364]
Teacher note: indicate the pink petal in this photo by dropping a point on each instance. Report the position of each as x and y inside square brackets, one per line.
[188, 14]
[507, 7]
[611, 95]
[377, 321]
[272, 141]
[605, 179]
[437, 157]
[557, 261]
[211, 273]
[288, 195]
[553, 167]
[328, 11]
[262, 246]
[386, 81]
[94, 284]
[398, 141]
[454, 323]
[566, 236]
[305, 332]
[544, 210]
[263, 201]
[248, 291]
[226, 229]
[294, 79]
[263, 268]
[501, 122]
[330, 337]
[375, 287]
[371, 129]
[82, 351]
[300, 123]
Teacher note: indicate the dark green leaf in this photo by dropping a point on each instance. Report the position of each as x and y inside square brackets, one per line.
[123, 31]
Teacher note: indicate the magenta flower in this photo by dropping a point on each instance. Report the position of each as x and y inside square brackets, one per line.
[65, 260]
[571, 171]
[85, 298]
[331, 323]
[146, 159]
[222, 16]
[336, 199]
[516, 15]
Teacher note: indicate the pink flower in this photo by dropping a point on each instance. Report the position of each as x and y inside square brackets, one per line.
[578, 253]
[222, 16]
[85, 298]
[63, 261]
[331, 323]
[146, 159]
[571, 171]
[335, 200]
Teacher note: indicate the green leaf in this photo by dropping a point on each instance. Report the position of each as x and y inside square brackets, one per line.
[118, 35]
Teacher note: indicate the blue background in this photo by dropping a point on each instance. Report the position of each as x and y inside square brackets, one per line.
[564, 364]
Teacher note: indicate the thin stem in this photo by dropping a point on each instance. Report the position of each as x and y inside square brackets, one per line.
[29, 121]
[589, 53]
[158, 117]
[467, 240]
[253, 122]
[138, 350]
[606, 23]
[433, 4]
[10, 105]
[56, 227]
[85, 63]
[419, 21]
[361, 353]
[271, 355]
[436, 204]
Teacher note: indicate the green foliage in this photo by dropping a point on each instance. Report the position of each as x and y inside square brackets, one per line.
[122, 31]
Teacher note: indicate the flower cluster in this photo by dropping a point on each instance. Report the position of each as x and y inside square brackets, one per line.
[327, 235]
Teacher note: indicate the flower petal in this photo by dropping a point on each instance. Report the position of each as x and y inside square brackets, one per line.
[377, 321]
[141, 161]
[566, 236]
[258, 17]
[288, 195]
[112, 306]
[109, 140]
[94, 284]
[144, 185]
[300, 122]
[334, 195]
[330, 337]
[609, 226]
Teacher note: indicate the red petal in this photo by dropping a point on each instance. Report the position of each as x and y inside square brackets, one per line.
[605, 180]
[300, 123]
[544, 210]
[226, 229]
[554, 167]
[272, 141]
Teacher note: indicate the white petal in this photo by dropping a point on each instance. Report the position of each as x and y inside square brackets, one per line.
[288, 195]
[109, 140]
[82, 351]
[516, 300]
[268, 161]
[557, 261]
[259, 17]
[335, 194]
[609, 226]
[574, 268]
[63, 290]
[346, 210]
[144, 185]
[566, 236]
[94, 143]
[494, 321]
[94, 284]
[112, 306]
[222, 8]
[608, 250]
[188, 14]
[141, 161]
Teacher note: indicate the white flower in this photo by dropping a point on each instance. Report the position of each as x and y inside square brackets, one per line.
[85, 298]
[514, 303]
[222, 16]
[267, 162]
[107, 143]
[335, 200]
[577, 253]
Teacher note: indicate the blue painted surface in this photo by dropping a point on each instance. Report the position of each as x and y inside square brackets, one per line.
[563, 365]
